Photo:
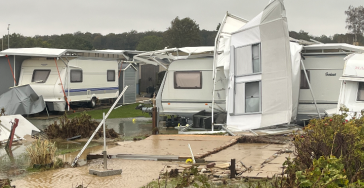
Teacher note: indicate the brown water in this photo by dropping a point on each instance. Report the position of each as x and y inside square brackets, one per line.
[135, 174]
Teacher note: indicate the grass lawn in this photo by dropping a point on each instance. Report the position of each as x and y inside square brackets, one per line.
[125, 111]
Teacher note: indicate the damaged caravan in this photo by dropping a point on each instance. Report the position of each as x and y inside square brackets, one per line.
[262, 78]
[186, 88]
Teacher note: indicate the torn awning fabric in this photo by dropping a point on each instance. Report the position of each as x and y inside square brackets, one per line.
[21, 100]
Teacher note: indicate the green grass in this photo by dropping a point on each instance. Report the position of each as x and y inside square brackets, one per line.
[75, 147]
[126, 111]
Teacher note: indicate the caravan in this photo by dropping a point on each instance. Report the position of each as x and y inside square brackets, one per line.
[76, 75]
[324, 65]
[352, 85]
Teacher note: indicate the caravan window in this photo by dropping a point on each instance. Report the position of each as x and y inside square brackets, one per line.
[40, 76]
[76, 76]
[304, 83]
[110, 75]
[361, 92]
[252, 97]
[188, 80]
[247, 60]
[256, 58]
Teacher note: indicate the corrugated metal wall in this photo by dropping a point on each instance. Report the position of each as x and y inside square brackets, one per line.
[130, 80]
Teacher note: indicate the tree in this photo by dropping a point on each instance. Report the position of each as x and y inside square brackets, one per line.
[150, 43]
[355, 20]
[182, 33]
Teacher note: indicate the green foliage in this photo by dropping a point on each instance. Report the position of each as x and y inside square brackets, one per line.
[125, 111]
[326, 171]
[355, 19]
[150, 43]
[329, 153]
[182, 33]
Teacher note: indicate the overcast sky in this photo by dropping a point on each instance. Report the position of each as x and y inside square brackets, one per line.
[47, 17]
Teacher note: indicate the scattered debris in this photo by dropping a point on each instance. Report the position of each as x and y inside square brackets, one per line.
[82, 125]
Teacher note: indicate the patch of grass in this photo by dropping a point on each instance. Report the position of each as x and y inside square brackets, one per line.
[125, 111]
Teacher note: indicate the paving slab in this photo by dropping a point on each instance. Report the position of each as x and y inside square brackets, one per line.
[174, 145]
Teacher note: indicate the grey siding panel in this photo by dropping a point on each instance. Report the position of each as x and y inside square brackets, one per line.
[121, 87]
[6, 77]
[130, 94]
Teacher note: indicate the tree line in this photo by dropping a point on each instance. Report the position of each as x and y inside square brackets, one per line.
[181, 33]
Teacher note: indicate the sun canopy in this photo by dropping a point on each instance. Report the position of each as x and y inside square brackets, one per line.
[21, 100]
[53, 52]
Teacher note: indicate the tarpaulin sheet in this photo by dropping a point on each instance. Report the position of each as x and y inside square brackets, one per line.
[21, 100]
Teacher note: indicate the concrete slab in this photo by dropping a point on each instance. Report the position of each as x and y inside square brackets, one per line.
[175, 145]
[254, 155]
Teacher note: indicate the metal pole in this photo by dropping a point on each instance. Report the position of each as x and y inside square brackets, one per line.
[98, 127]
[193, 157]
[309, 85]
[14, 73]
[2, 43]
[8, 37]
[105, 156]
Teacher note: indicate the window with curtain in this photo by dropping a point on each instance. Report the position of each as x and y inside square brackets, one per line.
[76, 76]
[188, 80]
[40, 76]
[110, 75]
[361, 91]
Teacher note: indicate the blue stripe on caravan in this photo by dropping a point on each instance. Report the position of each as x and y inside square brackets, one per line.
[93, 89]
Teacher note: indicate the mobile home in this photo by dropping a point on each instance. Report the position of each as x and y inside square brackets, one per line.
[76, 75]
[324, 65]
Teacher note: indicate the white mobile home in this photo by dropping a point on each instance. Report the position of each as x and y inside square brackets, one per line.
[76, 75]
[261, 80]
[324, 65]
[352, 85]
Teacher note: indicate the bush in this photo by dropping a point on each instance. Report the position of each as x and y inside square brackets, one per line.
[42, 153]
[81, 125]
[329, 151]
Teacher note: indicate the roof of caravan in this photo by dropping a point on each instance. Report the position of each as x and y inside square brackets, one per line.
[165, 56]
[54, 52]
[342, 46]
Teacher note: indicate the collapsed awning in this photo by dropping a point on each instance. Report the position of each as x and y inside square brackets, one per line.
[21, 100]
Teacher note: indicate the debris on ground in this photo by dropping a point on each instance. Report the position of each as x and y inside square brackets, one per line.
[81, 125]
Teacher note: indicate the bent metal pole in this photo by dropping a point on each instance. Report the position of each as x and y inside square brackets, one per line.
[98, 127]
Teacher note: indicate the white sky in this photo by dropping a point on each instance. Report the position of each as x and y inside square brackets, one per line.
[47, 17]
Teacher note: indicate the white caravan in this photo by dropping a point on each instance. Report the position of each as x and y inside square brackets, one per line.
[76, 75]
[187, 86]
[262, 78]
[324, 65]
[352, 85]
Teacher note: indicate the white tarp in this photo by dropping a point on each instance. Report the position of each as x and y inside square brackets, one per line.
[24, 127]
[278, 98]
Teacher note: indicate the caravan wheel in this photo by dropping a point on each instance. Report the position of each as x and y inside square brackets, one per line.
[93, 103]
